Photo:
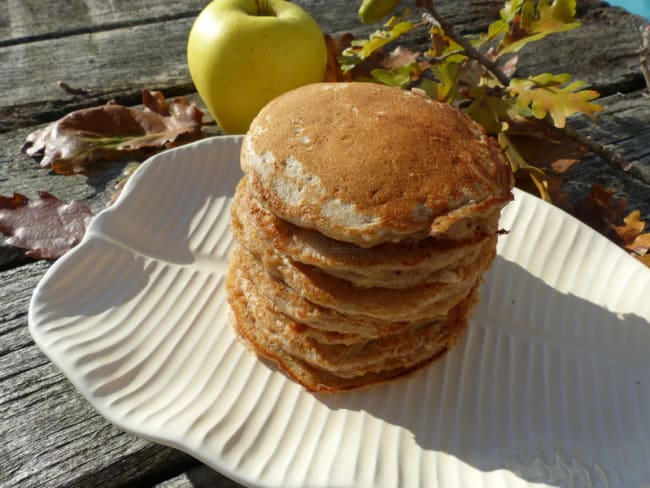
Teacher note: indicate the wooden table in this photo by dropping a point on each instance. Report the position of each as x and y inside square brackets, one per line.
[49, 435]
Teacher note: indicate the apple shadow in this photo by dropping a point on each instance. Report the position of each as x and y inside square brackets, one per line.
[562, 401]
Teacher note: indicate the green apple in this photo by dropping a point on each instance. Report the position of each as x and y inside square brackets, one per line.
[374, 10]
[243, 53]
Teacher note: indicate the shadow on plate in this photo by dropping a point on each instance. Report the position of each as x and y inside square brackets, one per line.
[555, 393]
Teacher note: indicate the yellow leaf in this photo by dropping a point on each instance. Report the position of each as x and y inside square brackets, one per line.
[632, 228]
[489, 110]
[510, 9]
[518, 163]
[548, 94]
[444, 86]
[555, 15]
[527, 22]
[641, 244]
[363, 48]
[443, 45]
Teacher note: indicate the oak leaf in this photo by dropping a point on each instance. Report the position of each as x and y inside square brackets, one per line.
[641, 246]
[545, 147]
[443, 47]
[632, 238]
[600, 210]
[632, 227]
[111, 132]
[443, 87]
[519, 165]
[400, 77]
[47, 228]
[549, 94]
[395, 67]
[524, 21]
[361, 49]
[490, 110]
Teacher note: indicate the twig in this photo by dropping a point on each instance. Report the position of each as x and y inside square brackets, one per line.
[73, 90]
[470, 50]
[612, 158]
[441, 59]
[615, 160]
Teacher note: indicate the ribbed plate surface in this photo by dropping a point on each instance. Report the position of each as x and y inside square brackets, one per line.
[550, 386]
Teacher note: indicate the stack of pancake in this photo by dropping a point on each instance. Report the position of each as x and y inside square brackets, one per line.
[364, 223]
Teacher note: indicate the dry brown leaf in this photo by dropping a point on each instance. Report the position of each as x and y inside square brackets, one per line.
[111, 132]
[545, 148]
[335, 47]
[558, 195]
[47, 228]
[604, 213]
[645, 259]
[640, 245]
[398, 57]
[633, 226]
[600, 210]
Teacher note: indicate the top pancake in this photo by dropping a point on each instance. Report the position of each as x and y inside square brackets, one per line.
[368, 164]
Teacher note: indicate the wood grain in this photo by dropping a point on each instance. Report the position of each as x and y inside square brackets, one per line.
[114, 64]
[30, 20]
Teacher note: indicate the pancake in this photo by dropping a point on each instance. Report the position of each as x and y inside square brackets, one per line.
[291, 303]
[390, 351]
[388, 265]
[262, 334]
[368, 164]
[312, 379]
[421, 301]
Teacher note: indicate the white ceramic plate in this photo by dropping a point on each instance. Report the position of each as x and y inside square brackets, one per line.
[550, 386]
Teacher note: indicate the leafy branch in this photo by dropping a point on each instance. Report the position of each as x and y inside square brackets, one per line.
[472, 74]
[613, 159]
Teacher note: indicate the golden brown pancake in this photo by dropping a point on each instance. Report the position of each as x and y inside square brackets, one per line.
[417, 302]
[291, 303]
[328, 368]
[390, 265]
[367, 164]
[390, 351]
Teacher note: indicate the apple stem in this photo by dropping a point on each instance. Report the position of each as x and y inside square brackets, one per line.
[263, 7]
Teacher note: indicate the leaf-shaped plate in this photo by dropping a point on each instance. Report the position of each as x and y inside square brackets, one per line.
[550, 385]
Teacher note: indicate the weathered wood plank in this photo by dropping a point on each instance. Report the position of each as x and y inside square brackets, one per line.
[28, 20]
[51, 435]
[624, 126]
[116, 63]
